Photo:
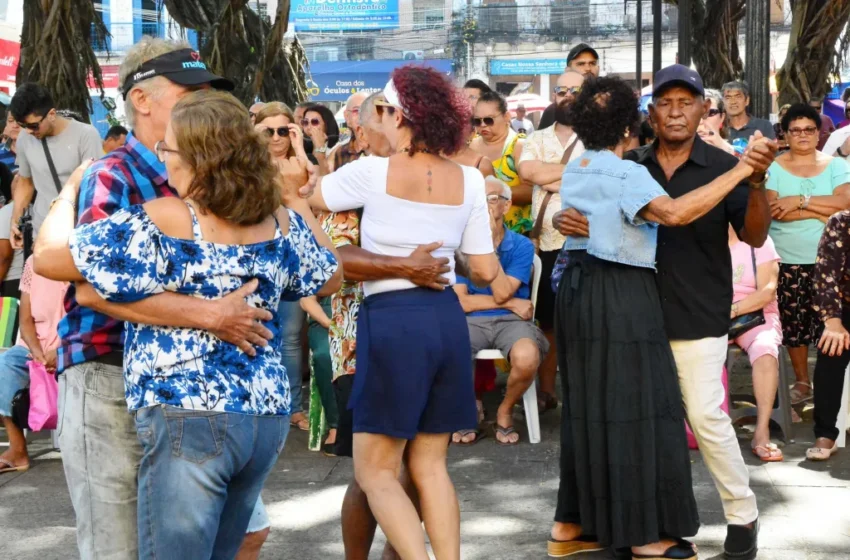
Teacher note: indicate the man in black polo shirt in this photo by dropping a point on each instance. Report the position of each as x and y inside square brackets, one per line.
[695, 279]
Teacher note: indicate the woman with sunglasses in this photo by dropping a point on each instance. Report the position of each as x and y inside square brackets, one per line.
[499, 142]
[211, 417]
[712, 126]
[805, 187]
[321, 129]
[414, 385]
[275, 123]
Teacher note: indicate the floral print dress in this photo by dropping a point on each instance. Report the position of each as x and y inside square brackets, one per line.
[127, 258]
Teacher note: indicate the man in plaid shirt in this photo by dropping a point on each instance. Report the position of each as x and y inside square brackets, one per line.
[97, 435]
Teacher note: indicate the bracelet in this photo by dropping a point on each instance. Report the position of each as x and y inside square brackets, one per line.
[801, 202]
[58, 198]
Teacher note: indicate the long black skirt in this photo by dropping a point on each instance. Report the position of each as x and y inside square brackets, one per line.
[625, 469]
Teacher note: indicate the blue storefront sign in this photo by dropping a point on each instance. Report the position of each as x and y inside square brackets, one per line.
[343, 15]
[527, 67]
[336, 81]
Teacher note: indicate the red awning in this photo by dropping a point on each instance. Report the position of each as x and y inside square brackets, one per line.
[110, 77]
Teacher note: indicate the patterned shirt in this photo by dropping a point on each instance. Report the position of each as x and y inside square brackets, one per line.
[129, 175]
[126, 257]
[832, 271]
[544, 145]
[8, 157]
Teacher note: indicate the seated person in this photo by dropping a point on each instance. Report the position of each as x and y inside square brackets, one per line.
[499, 316]
[756, 291]
[37, 341]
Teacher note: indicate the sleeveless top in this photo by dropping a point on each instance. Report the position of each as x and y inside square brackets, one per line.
[518, 218]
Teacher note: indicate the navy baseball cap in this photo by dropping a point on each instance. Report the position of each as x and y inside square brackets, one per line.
[581, 48]
[183, 67]
[677, 75]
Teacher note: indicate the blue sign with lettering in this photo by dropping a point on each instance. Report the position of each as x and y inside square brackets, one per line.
[527, 67]
[336, 81]
[343, 15]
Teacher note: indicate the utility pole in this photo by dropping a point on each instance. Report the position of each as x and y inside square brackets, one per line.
[757, 67]
[685, 32]
[639, 42]
[656, 37]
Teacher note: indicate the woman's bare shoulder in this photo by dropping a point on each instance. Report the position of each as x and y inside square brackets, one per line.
[171, 216]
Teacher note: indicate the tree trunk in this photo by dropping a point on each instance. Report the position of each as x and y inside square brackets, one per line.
[281, 76]
[63, 63]
[715, 40]
[816, 27]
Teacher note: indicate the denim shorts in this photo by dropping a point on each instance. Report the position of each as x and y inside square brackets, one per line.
[259, 518]
[14, 376]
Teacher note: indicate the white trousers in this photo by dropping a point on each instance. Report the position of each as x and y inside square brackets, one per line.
[700, 364]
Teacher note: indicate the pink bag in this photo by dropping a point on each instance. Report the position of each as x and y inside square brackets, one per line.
[692, 441]
[44, 398]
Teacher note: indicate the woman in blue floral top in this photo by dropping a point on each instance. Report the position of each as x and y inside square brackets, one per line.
[211, 417]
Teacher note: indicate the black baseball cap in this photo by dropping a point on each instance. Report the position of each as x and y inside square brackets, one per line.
[183, 67]
[581, 48]
[678, 75]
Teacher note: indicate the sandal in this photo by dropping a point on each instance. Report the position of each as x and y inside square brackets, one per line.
[7, 467]
[329, 449]
[303, 424]
[562, 549]
[768, 456]
[463, 433]
[682, 550]
[504, 432]
[815, 453]
[797, 396]
[546, 402]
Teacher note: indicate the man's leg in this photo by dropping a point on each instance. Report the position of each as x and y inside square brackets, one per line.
[700, 364]
[549, 367]
[257, 534]
[100, 455]
[291, 323]
[14, 376]
[481, 337]
[524, 358]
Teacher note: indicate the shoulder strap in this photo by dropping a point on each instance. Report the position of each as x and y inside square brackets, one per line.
[565, 159]
[52, 167]
[755, 268]
[196, 226]
[538, 223]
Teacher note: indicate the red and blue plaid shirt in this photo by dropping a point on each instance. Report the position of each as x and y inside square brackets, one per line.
[128, 176]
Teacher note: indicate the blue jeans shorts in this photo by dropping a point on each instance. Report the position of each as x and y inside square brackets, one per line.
[14, 376]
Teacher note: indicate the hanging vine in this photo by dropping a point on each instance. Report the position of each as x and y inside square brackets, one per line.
[62, 64]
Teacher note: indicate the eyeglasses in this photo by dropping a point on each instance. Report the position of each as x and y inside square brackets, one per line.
[713, 112]
[160, 148]
[282, 131]
[486, 121]
[32, 127]
[562, 91]
[808, 131]
[308, 122]
[252, 115]
[494, 198]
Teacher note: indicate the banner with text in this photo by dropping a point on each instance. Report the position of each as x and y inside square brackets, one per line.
[336, 81]
[10, 52]
[527, 67]
[343, 15]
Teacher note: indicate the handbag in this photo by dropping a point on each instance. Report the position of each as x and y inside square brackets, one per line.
[541, 214]
[743, 323]
[44, 398]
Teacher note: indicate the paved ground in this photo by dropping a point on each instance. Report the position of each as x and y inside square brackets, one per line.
[507, 500]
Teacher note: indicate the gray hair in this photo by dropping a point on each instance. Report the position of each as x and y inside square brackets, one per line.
[717, 97]
[506, 190]
[146, 49]
[736, 86]
[367, 108]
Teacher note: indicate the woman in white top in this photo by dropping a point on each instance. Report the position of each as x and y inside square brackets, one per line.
[413, 385]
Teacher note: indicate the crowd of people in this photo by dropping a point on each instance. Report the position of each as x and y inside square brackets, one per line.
[167, 274]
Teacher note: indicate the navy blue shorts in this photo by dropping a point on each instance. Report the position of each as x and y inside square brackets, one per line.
[413, 368]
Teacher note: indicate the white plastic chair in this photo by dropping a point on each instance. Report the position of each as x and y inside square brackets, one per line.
[529, 399]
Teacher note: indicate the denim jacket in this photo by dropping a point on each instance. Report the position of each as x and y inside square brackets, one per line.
[610, 192]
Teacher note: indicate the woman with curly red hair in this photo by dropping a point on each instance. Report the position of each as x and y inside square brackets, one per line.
[413, 385]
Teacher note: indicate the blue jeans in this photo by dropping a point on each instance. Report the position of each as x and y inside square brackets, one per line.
[291, 322]
[199, 479]
[14, 376]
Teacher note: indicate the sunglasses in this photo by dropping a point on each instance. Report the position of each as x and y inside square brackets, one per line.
[486, 121]
[808, 131]
[494, 198]
[32, 127]
[281, 131]
[713, 112]
[308, 122]
[561, 91]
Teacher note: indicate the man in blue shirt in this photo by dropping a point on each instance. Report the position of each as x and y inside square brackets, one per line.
[500, 315]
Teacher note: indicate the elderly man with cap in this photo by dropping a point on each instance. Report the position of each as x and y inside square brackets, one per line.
[100, 454]
[583, 59]
[695, 279]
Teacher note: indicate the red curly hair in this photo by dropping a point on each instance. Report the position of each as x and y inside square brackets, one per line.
[435, 110]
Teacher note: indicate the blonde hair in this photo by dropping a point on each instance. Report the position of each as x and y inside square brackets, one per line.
[276, 109]
[146, 49]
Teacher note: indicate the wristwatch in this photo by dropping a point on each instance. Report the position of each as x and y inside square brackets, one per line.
[322, 150]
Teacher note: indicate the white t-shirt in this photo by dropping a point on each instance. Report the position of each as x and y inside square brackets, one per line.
[394, 226]
[836, 140]
[17, 266]
[522, 125]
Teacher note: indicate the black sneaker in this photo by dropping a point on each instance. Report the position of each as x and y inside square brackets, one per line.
[742, 542]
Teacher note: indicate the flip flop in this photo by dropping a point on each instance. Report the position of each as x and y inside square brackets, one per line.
[303, 425]
[7, 467]
[797, 397]
[463, 433]
[546, 402]
[504, 432]
[562, 549]
[769, 449]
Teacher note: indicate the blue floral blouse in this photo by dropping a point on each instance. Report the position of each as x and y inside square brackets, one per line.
[127, 258]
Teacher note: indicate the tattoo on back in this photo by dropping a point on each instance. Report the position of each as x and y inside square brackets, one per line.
[430, 176]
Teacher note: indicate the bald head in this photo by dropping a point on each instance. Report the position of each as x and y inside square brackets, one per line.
[352, 109]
